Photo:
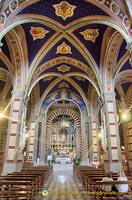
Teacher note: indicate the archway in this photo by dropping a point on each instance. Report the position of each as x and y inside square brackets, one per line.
[62, 137]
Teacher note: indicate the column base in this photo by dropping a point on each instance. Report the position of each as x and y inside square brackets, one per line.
[8, 168]
[113, 167]
[19, 166]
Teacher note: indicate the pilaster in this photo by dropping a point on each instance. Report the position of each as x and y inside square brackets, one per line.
[94, 140]
[12, 143]
[31, 149]
[43, 139]
[112, 160]
[78, 143]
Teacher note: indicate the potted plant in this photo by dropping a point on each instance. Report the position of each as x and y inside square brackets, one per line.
[48, 162]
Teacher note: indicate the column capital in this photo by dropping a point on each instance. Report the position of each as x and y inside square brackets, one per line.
[42, 111]
[17, 94]
[109, 95]
[34, 117]
[94, 118]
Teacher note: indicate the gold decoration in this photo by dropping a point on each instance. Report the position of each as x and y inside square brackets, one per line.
[38, 32]
[90, 34]
[80, 78]
[63, 94]
[64, 10]
[48, 78]
[63, 84]
[64, 49]
[63, 68]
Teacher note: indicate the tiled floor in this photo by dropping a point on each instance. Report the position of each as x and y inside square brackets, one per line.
[64, 185]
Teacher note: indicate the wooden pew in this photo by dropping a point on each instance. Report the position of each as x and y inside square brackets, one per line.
[24, 178]
[15, 189]
[99, 185]
[36, 178]
[23, 184]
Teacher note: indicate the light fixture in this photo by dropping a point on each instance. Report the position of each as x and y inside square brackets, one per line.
[123, 147]
[1, 115]
[27, 135]
[124, 115]
[2, 108]
[99, 135]
[123, 109]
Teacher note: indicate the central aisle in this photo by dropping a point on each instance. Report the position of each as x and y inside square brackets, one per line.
[63, 185]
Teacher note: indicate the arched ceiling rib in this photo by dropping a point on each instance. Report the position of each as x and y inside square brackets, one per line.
[87, 56]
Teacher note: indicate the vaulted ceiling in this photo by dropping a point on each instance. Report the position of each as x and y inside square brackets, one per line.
[64, 44]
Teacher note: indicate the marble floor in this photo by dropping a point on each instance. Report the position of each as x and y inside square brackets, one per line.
[63, 185]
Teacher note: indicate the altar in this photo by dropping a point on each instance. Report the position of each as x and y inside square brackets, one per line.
[63, 160]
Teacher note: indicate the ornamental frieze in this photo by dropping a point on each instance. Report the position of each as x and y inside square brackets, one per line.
[63, 68]
[61, 60]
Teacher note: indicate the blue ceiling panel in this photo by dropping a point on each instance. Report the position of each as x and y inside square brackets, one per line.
[35, 45]
[45, 8]
[93, 47]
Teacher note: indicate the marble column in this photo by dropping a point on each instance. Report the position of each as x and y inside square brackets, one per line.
[43, 140]
[94, 141]
[32, 138]
[12, 142]
[78, 143]
[128, 133]
[84, 137]
[112, 161]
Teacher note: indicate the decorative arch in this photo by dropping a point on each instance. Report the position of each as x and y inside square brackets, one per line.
[17, 55]
[129, 97]
[66, 33]
[61, 60]
[124, 76]
[110, 62]
[65, 100]
[64, 111]
[65, 76]
[60, 77]
[7, 62]
[101, 4]
[120, 63]
[69, 96]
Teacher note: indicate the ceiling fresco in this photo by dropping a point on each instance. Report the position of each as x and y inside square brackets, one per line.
[41, 34]
[65, 85]
[67, 45]
[95, 43]
[60, 49]
[78, 9]
[64, 94]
